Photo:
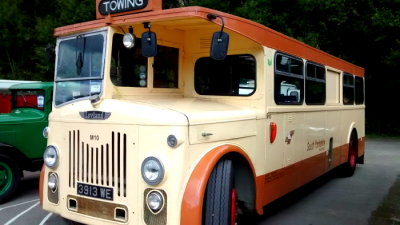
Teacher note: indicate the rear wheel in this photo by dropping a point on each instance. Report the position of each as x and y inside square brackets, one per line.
[350, 166]
[220, 199]
[9, 178]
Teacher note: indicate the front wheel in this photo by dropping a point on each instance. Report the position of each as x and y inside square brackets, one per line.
[220, 198]
[9, 178]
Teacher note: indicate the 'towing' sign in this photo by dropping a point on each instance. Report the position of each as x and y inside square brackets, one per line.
[118, 6]
[105, 8]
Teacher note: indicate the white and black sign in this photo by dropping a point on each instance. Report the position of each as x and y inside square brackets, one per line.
[117, 6]
[95, 115]
[95, 191]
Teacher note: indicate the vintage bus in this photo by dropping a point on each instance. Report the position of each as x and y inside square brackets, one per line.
[191, 116]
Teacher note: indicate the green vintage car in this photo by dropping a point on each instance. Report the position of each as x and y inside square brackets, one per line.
[22, 140]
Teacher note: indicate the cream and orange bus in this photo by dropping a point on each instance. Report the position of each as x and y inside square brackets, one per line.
[191, 116]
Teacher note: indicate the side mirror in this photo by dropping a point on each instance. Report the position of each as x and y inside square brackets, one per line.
[219, 45]
[149, 42]
[219, 41]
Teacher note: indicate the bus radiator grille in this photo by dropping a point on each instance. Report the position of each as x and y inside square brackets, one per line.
[103, 165]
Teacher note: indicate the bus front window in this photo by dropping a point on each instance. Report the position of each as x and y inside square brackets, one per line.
[128, 66]
[80, 63]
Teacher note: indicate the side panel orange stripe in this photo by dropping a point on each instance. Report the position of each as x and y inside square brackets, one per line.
[282, 181]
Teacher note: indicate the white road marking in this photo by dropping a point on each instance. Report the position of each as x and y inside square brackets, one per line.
[22, 203]
[22, 213]
[45, 219]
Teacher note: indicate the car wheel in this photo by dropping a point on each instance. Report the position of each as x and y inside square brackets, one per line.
[10, 177]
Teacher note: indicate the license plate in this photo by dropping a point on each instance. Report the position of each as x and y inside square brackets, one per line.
[95, 191]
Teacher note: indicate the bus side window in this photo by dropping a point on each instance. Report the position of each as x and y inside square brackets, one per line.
[348, 89]
[289, 80]
[359, 90]
[315, 84]
[128, 66]
[233, 76]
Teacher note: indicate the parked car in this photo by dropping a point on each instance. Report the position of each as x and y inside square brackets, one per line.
[22, 140]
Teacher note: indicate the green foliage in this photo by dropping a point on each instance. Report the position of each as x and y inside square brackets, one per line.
[27, 29]
[364, 32]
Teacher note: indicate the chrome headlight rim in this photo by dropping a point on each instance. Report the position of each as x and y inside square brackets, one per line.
[50, 156]
[161, 171]
[158, 194]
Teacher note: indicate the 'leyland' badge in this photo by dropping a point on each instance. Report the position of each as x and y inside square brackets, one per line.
[95, 115]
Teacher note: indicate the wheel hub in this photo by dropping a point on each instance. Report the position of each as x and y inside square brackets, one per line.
[352, 159]
[233, 207]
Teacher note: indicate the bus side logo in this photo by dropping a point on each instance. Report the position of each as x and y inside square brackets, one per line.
[95, 115]
[289, 138]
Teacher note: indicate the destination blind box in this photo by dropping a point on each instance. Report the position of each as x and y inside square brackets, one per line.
[122, 7]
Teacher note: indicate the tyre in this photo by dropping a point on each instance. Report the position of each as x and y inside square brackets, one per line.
[350, 166]
[10, 176]
[220, 196]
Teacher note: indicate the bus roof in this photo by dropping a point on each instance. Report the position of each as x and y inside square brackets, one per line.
[188, 18]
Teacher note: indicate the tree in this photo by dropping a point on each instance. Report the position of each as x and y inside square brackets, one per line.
[27, 29]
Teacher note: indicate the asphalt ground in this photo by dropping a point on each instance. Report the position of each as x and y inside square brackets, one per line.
[329, 200]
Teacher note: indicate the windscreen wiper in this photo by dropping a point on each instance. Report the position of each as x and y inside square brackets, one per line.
[80, 55]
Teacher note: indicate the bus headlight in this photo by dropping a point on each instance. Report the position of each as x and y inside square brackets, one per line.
[128, 40]
[50, 156]
[155, 201]
[152, 171]
[52, 182]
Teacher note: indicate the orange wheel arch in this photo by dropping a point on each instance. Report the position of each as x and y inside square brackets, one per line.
[192, 202]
